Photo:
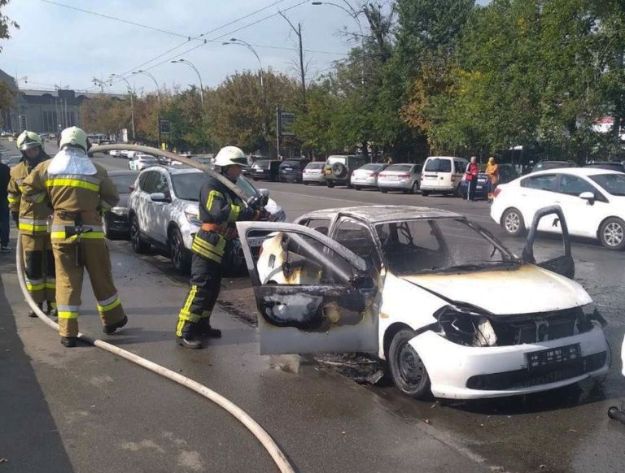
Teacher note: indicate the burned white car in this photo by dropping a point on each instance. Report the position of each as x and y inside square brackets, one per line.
[450, 309]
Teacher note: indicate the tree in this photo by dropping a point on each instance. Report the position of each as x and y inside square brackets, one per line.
[105, 114]
[7, 95]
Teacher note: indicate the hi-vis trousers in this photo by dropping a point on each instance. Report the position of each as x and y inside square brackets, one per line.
[94, 256]
[39, 267]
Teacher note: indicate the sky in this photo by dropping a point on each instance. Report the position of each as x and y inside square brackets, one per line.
[57, 46]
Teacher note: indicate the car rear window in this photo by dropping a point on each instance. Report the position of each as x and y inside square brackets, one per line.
[263, 164]
[438, 165]
[399, 167]
[372, 167]
[317, 165]
[290, 164]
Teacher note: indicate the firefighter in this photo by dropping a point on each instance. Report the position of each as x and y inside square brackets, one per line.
[79, 191]
[219, 209]
[31, 220]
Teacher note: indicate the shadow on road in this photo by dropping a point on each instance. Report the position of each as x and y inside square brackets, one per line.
[29, 440]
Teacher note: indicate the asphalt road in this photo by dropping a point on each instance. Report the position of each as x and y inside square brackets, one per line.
[83, 410]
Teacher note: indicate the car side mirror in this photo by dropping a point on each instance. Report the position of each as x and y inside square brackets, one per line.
[159, 197]
[589, 197]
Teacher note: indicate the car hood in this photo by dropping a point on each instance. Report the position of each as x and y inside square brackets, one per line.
[524, 290]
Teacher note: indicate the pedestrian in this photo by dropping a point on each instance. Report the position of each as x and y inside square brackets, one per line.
[31, 219]
[219, 209]
[4, 208]
[492, 169]
[78, 191]
[470, 176]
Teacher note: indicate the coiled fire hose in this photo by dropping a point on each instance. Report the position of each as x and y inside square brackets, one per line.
[283, 464]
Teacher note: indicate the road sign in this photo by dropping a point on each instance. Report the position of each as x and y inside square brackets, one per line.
[286, 123]
[164, 125]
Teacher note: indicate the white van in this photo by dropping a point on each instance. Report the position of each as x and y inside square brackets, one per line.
[442, 174]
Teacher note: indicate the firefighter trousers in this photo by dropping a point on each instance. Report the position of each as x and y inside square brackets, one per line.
[93, 256]
[39, 267]
[205, 286]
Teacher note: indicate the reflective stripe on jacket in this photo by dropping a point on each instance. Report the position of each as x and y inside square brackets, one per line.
[33, 214]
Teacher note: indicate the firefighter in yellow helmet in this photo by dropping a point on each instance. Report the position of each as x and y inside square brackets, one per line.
[79, 191]
[219, 209]
[31, 219]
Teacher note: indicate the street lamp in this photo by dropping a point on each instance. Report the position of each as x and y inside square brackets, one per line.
[190, 64]
[158, 96]
[132, 103]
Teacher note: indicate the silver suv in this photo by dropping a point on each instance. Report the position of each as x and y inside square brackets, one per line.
[163, 212]
[339, 167]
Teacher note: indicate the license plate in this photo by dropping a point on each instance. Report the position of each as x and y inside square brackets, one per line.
[553, 356]
[288, 169]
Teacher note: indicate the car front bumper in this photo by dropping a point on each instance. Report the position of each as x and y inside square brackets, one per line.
[453, 367]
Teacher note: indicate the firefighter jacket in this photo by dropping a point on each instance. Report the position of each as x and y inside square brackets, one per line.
[33, 216]
[78, 200]
[219, 209]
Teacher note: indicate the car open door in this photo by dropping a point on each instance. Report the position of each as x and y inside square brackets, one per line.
[313, 294]
[564, 265]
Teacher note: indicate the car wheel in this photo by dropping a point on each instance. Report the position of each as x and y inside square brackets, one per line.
[180, 256]
[383, 191]
[330, 184]
[406, 366]
[415, 187]
[512, 222]
[612, 233]
[357, 188]
[139, 245]
[425, 193]
[459, 193]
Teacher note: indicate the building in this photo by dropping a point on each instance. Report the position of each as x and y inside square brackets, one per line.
[42, 111]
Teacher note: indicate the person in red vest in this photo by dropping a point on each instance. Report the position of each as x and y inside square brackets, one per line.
[470, 176]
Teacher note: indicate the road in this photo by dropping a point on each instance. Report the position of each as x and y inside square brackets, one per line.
[83, 410]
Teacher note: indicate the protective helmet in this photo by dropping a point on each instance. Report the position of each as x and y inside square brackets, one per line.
[28, 140]
[229, 155]
[74, 136]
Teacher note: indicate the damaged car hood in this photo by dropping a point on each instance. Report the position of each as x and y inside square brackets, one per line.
[524, 290]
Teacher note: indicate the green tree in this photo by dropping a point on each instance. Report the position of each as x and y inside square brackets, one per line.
[7, 94]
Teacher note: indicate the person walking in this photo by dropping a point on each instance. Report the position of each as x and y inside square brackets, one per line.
[4, 208]
[31, 219]
[492, 169]
[471, 177]
[219, 209]
[78, 191]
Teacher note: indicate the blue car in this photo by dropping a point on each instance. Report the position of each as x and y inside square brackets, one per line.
[481, 190]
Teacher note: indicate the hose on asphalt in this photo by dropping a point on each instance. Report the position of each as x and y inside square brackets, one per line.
[283, 464]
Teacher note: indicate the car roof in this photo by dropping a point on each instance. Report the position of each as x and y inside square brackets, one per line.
[446, 157]
[173, 170]
[375, 214]
[122, 172]
[583, 172]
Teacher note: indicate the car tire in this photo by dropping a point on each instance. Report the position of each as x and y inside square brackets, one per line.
[415, 188]
[512, 222]
[406, 367]
[383, 191]
[179, 255]
[357, 188]
[139, 245]
[330, 184]
[425, 193]
[458, 192]
[612, 234]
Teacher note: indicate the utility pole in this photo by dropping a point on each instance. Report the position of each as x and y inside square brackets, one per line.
[132, 104]
[298, 32]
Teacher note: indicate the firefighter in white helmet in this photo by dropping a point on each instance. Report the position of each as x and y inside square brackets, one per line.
[31, 220]
[219, 210]
[78, 191]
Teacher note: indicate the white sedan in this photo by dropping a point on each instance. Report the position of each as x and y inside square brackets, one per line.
[445, 304]
[593, 202]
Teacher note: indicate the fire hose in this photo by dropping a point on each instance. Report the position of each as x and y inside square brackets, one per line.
[261, 434]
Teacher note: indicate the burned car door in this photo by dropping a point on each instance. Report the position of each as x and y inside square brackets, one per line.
[313, 295]
[564, 265]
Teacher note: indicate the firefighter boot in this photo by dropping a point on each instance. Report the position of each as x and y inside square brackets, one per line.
[187, 335]
[69, 342]
[109, 329]
[32, 312]
[205, 329]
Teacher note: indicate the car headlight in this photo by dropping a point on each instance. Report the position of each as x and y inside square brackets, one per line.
[192, 218]
[466, 326]
[121, 211]
[279, 216]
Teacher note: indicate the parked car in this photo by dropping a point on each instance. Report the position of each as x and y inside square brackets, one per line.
[442, 174]
[545, 165]
[481, 189]
[507, 173]
[265, 169]
[480, 322]
[592, 199]
[338, 169]
[612, 165]
[292, 170]
[402, 177]
[116, 224]
[367, 175]
[164, 213]
[115, 153]
[142, 161]
[313, 172]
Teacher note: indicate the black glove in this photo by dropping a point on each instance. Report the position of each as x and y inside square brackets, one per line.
[254, 202]
[16, 217]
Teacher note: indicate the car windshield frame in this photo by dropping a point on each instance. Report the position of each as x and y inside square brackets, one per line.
[602, 184]
[509, 260]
